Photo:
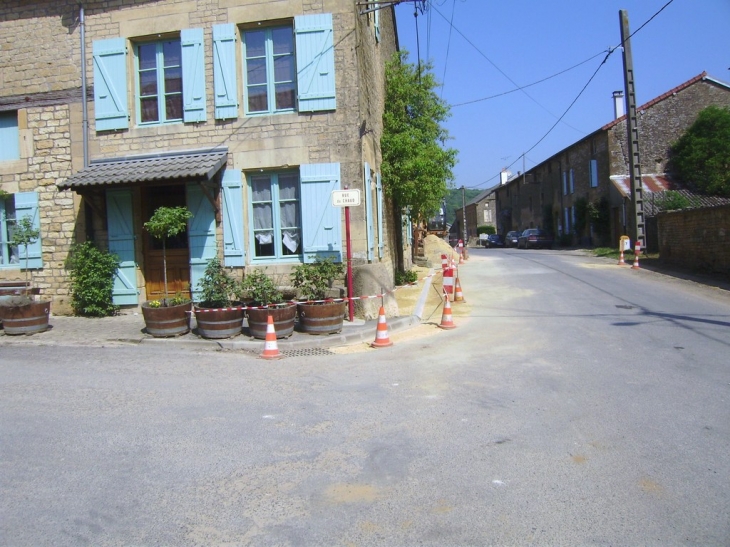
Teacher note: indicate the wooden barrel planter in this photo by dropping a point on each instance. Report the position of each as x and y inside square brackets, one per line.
[283, 315]
[28, 318]
[322, 317]
[165, 322]
[219, 323]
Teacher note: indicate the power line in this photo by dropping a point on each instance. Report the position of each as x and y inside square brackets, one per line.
[448, 47]
[608, 54]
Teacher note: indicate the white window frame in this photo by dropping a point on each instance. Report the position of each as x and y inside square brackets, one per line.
[162, 94]
[270, 59]
[275, 201]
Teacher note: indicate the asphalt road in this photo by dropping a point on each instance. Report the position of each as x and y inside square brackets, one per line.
[581, 403]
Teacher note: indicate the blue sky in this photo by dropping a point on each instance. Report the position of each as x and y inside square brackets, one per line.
[492, 48]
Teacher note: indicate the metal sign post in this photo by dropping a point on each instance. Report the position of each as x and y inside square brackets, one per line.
[346, 198]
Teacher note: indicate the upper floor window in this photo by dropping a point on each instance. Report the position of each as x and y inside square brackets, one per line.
[9, 136]
[270, 70]
[275, 208]
[159, 82]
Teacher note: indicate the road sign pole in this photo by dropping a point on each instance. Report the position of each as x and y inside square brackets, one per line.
[350, 302]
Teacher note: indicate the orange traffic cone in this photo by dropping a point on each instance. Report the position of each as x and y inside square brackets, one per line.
[271, 349]
[458, 295]
[621, 261]
[636, 262]
[446, 320]
[381, 333]
[461, 257]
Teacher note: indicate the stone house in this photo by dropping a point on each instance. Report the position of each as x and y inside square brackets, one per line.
[593, 172]
[249, 113]
[480, 211]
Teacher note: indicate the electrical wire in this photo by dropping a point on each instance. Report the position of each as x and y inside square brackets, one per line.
[608, 54]
[448, 47]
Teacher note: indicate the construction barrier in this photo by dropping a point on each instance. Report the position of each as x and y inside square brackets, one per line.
[637, 252]
[448, 282]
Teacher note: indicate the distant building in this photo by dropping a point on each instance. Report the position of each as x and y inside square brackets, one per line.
[592, 172]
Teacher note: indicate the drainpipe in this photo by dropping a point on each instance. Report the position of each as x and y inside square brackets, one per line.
[84, 106]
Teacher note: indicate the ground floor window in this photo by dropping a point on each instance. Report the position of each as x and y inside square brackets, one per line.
[8, 254]
[275, 206]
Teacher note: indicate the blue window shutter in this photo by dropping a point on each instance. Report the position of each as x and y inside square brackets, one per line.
[321, 223]
[224, 72]
[315, 62]
[9, 136]
[201, 236]
[381, 234]
[110, 84]
[121, 243]
[593, 170]
[369, 228]
[572, 181]
[193, 73]
[26, 205]
[233, 252]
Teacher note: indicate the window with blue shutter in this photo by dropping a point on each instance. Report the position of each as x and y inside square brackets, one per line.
[121, 243]
[193, 75]
[201, 236]
[9, 136]
[315, 62]
[572, 181]
[13, 208]
[225, 83]
[110, 84]
[233, 253]
[369, 227]
[321, 221]
[593, 173]
[381, 231]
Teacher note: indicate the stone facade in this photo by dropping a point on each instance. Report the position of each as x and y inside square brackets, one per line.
[546, 196]
[41, 81]
[698, 239]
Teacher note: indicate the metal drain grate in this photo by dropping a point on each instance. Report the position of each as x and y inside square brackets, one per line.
[306, 352]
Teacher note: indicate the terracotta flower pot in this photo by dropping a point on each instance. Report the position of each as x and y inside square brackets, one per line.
[321, 317]
[167, 321]
[283, 316]
[216, 323]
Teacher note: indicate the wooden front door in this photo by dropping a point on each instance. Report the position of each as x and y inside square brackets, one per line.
[178, 255]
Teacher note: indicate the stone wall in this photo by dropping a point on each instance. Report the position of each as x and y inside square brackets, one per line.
[698, 239]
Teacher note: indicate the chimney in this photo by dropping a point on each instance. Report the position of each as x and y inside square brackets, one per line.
[504, 176]
[618, 104]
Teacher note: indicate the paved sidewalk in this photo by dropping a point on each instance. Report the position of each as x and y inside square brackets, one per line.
[129, 328]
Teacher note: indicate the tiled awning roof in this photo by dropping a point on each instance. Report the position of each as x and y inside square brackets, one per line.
[150, 168]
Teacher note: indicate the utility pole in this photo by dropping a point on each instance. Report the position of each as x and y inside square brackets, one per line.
[637, 232]
[463, 214]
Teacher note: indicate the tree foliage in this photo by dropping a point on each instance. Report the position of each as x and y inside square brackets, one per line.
[92, 280]
[701, 156]
[417, 166]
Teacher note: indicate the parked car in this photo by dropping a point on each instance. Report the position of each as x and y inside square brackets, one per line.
[534, 238]
[494, 240]
[511, 238]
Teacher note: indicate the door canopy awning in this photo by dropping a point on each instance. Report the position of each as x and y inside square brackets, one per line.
[197, 165]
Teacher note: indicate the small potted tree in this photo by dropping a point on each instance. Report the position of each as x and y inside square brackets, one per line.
[263, 298]
[169, 316]
[20, 313]
[317, 313]
[216, 315]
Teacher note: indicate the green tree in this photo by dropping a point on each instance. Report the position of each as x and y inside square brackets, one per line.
[417, 166]
[167, 222]
[701, 156]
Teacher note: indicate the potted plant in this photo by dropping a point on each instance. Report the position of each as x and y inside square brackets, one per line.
[263, 298]
[169, 316]
[317, 313]
[215, 314]
[20, 313]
